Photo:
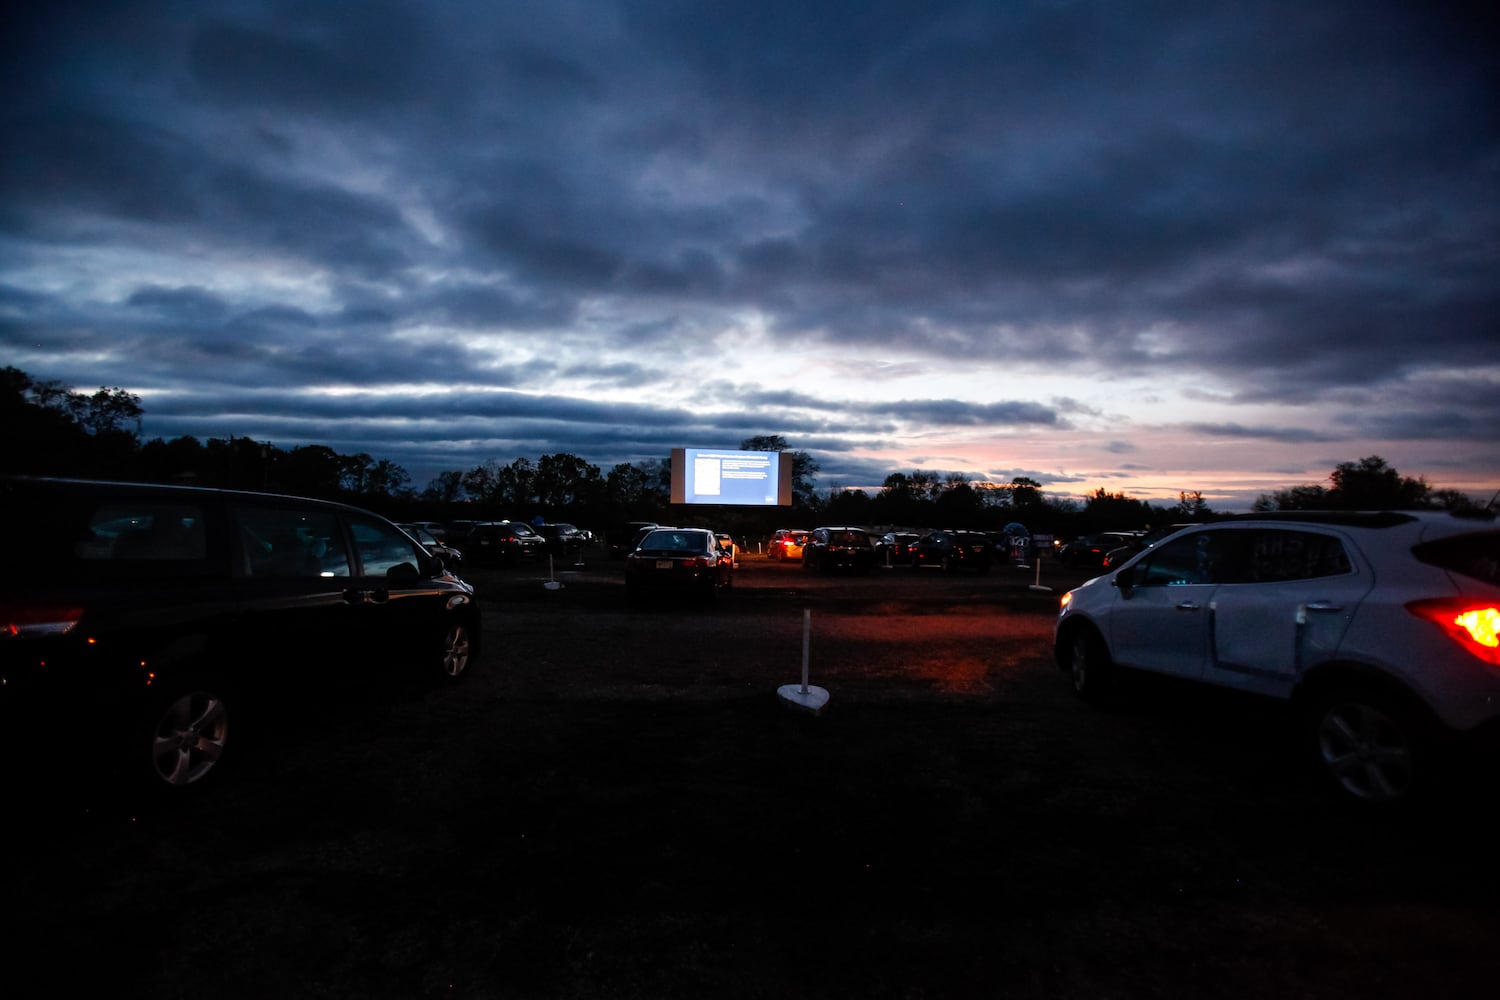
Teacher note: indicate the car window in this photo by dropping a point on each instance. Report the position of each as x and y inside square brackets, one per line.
[1276, 555]
[288, 542]
[144, 531]
[1196, 559]
[1476, 556]
[381, 546]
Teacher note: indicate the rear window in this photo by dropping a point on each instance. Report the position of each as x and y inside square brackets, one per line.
[1474, 556]
[675, 541]
[156, 532]
[67, 533]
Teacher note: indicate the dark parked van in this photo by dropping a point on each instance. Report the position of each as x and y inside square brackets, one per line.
[136, 620]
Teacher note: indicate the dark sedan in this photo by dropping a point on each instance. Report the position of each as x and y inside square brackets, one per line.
[829, 549]
[678, 560]
[954, 550]
[1091, 551]
[894, 547]
[503, 543]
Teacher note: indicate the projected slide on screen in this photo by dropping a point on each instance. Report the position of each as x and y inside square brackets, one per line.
[734, 478]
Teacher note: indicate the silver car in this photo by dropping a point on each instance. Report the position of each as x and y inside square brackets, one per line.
[1379, 627]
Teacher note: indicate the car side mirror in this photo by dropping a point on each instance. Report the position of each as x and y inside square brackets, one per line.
[1125, 580]
[403, 574]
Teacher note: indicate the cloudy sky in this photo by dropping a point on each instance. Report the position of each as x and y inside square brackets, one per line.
[1145, 246]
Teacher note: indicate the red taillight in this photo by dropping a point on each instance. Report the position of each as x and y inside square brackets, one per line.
[38, 619]
[1475, 626]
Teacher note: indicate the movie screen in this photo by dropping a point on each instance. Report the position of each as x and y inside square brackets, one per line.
[731, 478]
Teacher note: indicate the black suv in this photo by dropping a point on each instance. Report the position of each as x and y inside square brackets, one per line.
[828, 549]
[143, 617]
[954, 550]
[494, 543]
[561, 539]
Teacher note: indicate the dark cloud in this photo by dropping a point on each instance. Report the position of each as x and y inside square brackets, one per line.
[768, 217]
[1286, 435]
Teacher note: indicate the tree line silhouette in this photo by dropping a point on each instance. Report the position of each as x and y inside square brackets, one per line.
[50, 429]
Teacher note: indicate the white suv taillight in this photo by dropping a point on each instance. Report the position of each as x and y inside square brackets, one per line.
[1476, 625]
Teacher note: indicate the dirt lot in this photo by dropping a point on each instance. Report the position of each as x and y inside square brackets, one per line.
[616, 804]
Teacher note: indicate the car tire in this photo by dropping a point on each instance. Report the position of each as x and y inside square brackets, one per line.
[458, 648]
[1370, 746]
[186, 734]
[1089, 666]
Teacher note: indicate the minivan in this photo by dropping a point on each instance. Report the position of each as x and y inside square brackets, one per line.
[137, 621]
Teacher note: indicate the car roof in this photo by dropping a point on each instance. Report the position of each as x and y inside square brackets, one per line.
[1421, 524]
[1380, 534]
[110, 486]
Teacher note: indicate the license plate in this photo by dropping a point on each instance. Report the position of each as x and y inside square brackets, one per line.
[663, 564]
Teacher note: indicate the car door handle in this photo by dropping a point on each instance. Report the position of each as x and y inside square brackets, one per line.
[1188, 606]
[354, 597]
[1321, 606]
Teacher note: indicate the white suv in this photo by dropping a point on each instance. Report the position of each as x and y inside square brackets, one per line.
[1380, 627]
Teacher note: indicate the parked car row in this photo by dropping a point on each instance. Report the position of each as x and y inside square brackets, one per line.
[828, 549]
[844, 547]
[150, 621]
[497, 543]
[1092, 551]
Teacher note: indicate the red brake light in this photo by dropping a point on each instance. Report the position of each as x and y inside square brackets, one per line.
[1476, 627]
[38, 619]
